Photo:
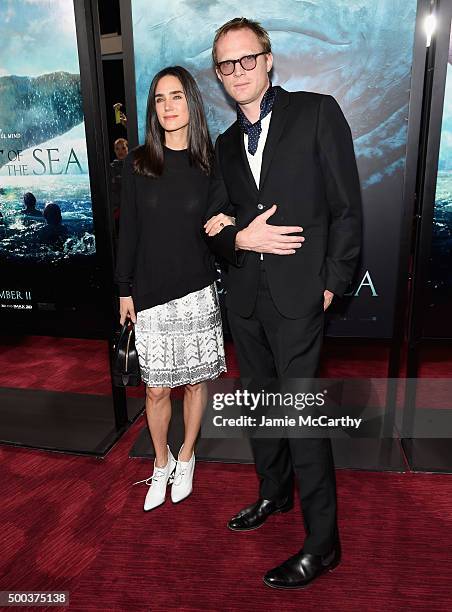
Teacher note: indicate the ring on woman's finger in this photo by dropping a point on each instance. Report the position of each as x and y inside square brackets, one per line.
[221, 224]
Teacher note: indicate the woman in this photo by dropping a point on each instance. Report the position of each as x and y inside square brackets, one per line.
[165, 271]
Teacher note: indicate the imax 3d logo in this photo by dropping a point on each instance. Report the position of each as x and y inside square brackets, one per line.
[15, 294]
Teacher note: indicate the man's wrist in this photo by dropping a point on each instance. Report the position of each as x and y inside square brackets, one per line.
[240, 240]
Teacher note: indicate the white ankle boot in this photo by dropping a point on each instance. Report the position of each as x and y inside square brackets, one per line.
[183, 479]
[161, 477]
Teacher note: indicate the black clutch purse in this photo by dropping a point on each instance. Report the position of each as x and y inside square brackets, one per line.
[125, 364]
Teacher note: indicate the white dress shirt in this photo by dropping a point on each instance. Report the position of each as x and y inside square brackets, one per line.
[255, 161]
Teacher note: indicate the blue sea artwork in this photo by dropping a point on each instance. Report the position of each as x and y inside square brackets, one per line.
[359, 51]
[45, 198]
[441, 252]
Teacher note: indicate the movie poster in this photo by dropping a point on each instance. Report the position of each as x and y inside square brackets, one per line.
[438, 319]
[47, 243]
[359, 51]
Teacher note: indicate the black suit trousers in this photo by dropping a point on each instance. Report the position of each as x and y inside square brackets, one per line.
[271, 346]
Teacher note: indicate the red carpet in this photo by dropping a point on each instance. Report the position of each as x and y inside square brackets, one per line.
[81, 366]
[74, 523]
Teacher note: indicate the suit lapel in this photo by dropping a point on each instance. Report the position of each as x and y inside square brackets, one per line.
[245, 164]
[277, 123]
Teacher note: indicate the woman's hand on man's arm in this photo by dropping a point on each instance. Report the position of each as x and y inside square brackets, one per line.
[216, 223]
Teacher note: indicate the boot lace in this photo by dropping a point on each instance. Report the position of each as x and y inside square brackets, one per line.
[179, 474]
[156, 476]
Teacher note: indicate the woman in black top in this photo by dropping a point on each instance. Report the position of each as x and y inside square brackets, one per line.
[165, 271]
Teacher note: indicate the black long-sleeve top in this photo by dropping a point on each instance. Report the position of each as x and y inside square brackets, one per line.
[162, 253]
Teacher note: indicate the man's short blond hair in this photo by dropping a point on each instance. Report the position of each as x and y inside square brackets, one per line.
[120, 141]
[239, 23]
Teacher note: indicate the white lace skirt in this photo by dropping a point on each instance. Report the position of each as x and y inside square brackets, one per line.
[181, 342]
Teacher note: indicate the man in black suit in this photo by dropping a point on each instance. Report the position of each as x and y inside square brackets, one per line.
[286, 170]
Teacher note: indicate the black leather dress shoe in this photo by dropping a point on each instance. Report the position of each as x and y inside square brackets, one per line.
[254, 516]
[301, 569]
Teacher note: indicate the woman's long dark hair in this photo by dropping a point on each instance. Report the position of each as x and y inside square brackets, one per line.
[148, 159]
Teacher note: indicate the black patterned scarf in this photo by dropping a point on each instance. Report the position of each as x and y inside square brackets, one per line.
[254, 129]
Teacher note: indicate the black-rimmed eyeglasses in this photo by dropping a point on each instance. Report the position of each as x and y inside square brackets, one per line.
[247, 62]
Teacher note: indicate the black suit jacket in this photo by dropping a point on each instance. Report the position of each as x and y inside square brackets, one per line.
[308, 170]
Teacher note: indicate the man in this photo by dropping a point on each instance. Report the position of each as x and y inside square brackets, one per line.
[54, 233]
[30, 209]
[286, 167]
[121, 147]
